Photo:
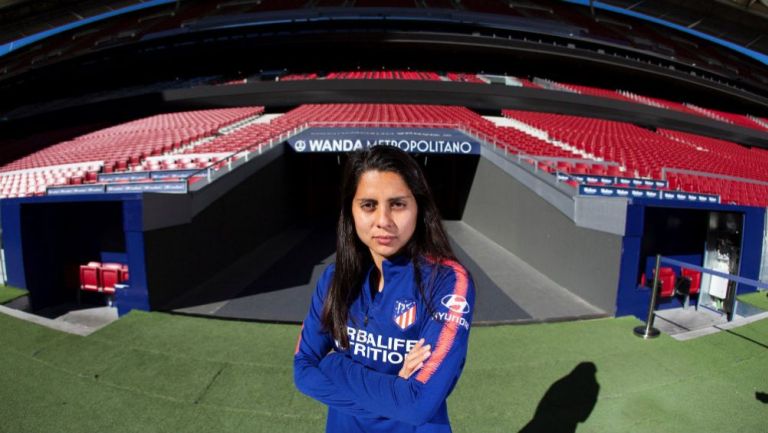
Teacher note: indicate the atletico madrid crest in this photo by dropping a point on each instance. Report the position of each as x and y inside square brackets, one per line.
[405, 313]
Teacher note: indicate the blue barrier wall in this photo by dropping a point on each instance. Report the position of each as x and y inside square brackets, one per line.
[136, 296]
[14, 253]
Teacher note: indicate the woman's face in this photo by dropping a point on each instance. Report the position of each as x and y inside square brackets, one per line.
[385, 213]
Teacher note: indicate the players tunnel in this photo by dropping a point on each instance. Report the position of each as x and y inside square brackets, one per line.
[319, 175]
[48, 239]
[723, 238]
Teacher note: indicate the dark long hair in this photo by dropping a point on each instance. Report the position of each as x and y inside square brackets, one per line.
[353, 258]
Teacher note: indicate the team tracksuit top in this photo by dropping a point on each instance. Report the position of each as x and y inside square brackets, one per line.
[360, 385]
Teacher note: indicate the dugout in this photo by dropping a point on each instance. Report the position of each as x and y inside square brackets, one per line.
[46, 239]
[690, 233]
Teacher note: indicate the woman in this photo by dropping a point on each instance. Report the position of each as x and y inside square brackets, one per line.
[385, 338]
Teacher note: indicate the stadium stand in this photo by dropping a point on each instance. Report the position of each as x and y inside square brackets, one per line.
[594, 91]
[542, 83]
[383, 75]
[464, 78]
[550, 142]
[661, 103]
[117, 148]
[298, 77]
[708, 165]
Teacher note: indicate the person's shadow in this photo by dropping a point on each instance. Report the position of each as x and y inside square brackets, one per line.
[567, 402]
[761, 397]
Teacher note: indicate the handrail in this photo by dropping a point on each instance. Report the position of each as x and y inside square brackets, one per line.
[738, 279]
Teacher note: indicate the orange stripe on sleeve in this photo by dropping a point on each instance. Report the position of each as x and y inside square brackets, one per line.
[448, 333]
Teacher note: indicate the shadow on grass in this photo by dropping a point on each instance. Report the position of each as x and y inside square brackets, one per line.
[761, 397]
[746, 338]
[568, 402]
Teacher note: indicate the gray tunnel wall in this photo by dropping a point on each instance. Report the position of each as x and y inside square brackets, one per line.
[183, 256]
[584, 261]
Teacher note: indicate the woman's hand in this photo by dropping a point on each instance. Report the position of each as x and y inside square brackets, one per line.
[414, 360]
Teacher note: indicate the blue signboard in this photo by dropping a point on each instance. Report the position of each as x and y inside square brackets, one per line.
[173, 173]
[692, 197]
[133, 176]
[75, 189]
[128, 175]
[412, 140]
[637, 183]
[608, 191]
[624, 182]
[166, 187]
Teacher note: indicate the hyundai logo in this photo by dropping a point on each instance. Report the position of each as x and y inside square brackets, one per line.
[456, 303]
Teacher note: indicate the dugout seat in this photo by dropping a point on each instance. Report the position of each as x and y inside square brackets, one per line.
[688, 284]
[90, 277]
[98, 277]
[111, 274]
[667, 280]
[694, 277]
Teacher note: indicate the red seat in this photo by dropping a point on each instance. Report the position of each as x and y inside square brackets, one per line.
[90, 278]
[695, 277]
[110, 275]
[667, 279]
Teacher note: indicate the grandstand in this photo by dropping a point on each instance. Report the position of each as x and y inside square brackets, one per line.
[185, 157]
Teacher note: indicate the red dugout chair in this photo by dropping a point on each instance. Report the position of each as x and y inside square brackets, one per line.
[98, 277]
[667, 280]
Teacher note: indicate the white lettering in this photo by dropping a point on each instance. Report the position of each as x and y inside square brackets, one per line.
[378, 347]
[450, 317]
[394, 358]
[359, 349]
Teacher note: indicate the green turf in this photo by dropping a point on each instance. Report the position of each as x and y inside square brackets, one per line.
[759, 299]
[152, 372]
[8, 293]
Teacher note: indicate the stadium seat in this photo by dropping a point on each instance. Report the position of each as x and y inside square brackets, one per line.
[98, 277]
[667, 279]
[695, 280]
[90, 277]
[110, 275]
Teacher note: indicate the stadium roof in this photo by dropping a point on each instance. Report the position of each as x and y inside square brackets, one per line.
[739, 21]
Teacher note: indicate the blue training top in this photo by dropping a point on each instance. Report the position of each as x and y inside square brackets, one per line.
[360, 385]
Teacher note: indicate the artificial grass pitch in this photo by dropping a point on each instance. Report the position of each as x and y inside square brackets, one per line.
[9, 293]
[759, 299]
[152, 372]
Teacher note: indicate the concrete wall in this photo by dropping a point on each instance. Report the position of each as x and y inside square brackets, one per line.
[181, 257]
[584, 261]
